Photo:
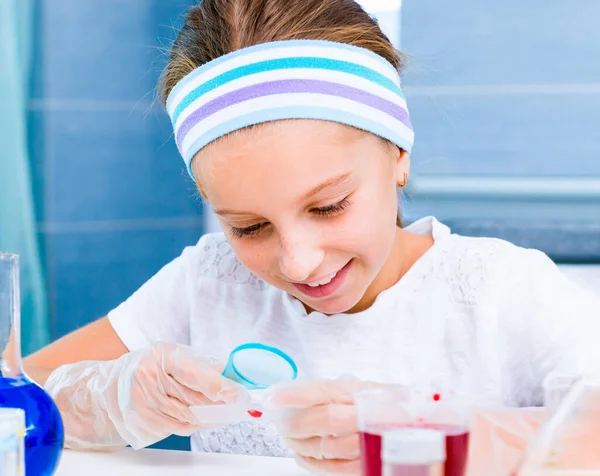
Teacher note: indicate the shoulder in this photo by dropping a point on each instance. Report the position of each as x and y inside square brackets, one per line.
[478, 269]
[213, 259]
[489, 254]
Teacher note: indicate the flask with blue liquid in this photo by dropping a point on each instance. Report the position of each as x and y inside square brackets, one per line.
[44, 433]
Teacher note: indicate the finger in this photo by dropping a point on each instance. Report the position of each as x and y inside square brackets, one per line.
[175, 411]
[168, 416]
[326, 420]
[185, 395]
[328, 447]
[165, 398]
[202, 375]
[152, 394]
[182, 419]
[219, 389]
[329, 466]
[299, 394]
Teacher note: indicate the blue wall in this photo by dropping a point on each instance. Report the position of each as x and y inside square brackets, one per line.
[113, 202]
[504, 88]
[507, 94]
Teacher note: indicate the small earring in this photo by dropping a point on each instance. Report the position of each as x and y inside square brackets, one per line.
[403, 184]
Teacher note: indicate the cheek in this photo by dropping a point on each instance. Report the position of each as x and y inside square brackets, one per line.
[376, 209]
[254, 255]
[367, 229]
[370, 226]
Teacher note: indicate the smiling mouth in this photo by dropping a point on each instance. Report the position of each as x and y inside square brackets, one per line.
[326, 285]
[323, 281]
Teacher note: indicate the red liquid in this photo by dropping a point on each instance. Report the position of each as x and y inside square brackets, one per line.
[457, 446]
[410, 471]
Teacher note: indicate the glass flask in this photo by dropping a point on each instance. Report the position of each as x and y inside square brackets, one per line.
[44, 433]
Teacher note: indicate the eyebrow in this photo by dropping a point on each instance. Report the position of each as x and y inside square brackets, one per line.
[329, 183]
[340, 179]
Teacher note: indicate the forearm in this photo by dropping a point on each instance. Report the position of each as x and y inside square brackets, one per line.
[37, 373]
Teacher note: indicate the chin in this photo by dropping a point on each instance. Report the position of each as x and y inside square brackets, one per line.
[334, 306]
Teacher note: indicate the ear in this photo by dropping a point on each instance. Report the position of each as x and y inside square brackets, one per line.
[402, 167]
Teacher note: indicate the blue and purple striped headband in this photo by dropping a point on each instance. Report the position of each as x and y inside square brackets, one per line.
[297, 79]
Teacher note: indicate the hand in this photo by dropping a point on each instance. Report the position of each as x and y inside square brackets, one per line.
[499, 438]
[320, 423]
[138, 399]
[569, 440]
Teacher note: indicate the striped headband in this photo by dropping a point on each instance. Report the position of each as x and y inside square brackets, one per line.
[296, 79]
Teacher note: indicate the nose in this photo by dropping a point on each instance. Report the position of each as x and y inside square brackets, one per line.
[299, 257]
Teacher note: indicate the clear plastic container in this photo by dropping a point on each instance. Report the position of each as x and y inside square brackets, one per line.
[12, 435]
[556, 388]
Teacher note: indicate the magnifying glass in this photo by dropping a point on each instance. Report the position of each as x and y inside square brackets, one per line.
[258, 366]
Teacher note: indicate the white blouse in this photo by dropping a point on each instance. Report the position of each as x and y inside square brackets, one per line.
[473, 315]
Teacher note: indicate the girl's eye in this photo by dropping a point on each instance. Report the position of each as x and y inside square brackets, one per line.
[248, 231]
[334, 209]
[329, 210]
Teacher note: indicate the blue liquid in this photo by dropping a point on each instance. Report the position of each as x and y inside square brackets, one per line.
[44, 428]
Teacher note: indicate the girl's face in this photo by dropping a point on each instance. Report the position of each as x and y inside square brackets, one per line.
[308, 206]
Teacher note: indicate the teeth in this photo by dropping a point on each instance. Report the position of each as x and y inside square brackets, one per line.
[324, 281]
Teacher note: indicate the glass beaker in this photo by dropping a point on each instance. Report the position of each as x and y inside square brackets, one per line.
[556, 388]
[43, 425]
[387, 408]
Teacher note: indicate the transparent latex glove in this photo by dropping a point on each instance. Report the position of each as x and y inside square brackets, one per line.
[499, 437]
[138, 399]
[319, 422]
[568, 443]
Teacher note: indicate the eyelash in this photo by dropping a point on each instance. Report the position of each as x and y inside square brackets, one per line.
[247, 232]
[334, 209]
[329, 210]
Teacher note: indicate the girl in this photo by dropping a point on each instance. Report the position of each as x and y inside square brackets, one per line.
[290, 118]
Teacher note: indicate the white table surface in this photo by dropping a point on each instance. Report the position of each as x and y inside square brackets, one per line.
[128, 462]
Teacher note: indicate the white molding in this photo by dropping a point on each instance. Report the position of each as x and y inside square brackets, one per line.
[551, 200]
[508, 187]
[502, 89]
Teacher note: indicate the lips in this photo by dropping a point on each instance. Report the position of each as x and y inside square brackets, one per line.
[326, 285]
[323, 281]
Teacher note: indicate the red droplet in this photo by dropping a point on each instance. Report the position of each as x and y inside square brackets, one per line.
[255, 413]
[436, 397]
